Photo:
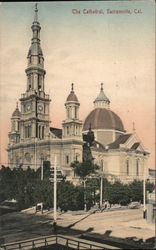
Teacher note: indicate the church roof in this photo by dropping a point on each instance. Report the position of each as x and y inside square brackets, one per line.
[135, 145]
[72, 97]
[57, 132]
[16, 112]
[103, 119]
[97, 145]
[121, 140]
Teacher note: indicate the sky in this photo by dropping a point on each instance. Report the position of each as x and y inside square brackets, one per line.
[85, 49]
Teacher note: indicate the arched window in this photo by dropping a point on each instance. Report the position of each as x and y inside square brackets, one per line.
[18, 125]
[75, 109]
[127, 167]
[26, 131]
[67, 159]
[39, 131]
[137, 167]
[29, 128]
[77, 157]
[76, 130]
[68, 113]
[13, 125]
[42, 132]
[39, 82]
[67, 130]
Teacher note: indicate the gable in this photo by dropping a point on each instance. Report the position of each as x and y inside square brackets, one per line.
[133, 143]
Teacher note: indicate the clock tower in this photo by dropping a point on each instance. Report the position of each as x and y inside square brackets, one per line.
[34, 102]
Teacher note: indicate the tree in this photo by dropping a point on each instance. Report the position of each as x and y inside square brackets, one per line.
[84, 170]
[70, 197]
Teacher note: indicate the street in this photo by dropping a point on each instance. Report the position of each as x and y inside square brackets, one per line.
[124, 224]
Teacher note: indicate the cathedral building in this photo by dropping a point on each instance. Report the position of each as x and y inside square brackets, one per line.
[120, 155]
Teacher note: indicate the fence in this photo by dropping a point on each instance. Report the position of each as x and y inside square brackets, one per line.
[55, 240]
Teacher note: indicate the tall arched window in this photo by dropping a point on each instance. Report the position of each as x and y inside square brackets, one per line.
[67, 130]
[18, 125]
[39, 82]
[127, 167]
[68, 113]
[75, 109]
[67, 159]
[42, 132]
[137, 167]
[39, 131]
[26, 132]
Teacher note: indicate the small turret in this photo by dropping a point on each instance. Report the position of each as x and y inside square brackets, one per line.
[14, 135]
[72, 126]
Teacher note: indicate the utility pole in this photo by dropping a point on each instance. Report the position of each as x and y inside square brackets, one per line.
[35, 154]
[144, 188]
[56, 176]
[85, 205]
[101, 191]
[55, 181]
[41, 169]
[101, 184]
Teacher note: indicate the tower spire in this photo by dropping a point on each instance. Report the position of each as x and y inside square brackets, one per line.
[35, 69]
[36, 14]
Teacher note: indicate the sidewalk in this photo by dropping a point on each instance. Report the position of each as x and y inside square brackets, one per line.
[122, 224]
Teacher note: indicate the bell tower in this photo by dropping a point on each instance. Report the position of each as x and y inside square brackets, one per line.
[35, 102]
[72, 126]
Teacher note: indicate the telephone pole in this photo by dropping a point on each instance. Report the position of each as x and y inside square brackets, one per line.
[144, 188]
[41, 169]
[55, 191]
[101, 191]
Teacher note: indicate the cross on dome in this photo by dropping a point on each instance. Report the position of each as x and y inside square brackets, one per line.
[101, 86]
[72, 87]
[16, 105]
[36, 7]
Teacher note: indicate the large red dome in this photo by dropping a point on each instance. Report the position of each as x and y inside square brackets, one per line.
[101, 118]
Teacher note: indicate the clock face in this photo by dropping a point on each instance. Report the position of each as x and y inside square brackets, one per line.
[40, 107]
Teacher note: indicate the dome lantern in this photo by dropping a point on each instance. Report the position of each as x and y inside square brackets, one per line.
[102, 100]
